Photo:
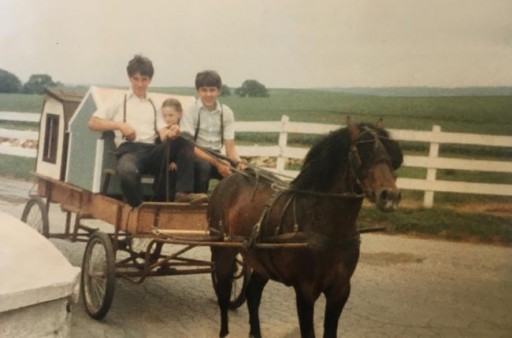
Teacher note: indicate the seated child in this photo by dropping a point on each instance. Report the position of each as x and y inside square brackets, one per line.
[171, 112]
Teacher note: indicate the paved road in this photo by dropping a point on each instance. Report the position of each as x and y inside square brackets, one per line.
[403, 287]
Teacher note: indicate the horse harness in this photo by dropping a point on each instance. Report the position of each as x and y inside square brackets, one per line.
[315, 240]
[281, 190]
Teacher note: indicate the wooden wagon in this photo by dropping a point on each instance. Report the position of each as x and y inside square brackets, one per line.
[71, 166]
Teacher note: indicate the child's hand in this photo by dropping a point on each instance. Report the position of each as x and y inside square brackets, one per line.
[173, 166]
[173, 132]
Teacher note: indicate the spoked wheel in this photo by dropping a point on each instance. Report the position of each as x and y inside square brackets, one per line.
[239, 281]
[98, 275]
[35, 215]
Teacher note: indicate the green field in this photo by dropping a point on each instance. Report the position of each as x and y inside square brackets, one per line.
[469, 114]
[21, 102]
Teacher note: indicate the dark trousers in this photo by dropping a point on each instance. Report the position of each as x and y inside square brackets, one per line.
[136, 159]
[204, 172]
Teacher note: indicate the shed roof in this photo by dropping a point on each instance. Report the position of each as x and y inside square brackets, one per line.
[65, 94]
[70, 99]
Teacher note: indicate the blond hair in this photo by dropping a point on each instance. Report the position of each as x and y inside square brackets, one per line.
[173, 103]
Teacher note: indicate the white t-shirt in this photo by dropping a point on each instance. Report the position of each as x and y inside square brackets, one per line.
[140, 114]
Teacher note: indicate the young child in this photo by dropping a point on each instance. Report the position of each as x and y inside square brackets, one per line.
[171, 112]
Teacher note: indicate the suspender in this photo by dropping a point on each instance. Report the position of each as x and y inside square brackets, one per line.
[154, 112]
[221, 125]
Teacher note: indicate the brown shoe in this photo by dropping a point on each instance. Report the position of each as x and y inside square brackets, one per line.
[191, 198]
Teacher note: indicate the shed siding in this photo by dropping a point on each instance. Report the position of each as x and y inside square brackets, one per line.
[82, 147]
[43, 167]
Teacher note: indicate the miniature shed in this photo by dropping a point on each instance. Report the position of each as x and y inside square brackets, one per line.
[59, 106]
[89, 152]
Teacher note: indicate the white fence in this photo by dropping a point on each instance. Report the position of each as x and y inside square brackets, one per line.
[432, 162]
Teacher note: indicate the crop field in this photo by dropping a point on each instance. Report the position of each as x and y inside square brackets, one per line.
[469, 114]
[465, 114]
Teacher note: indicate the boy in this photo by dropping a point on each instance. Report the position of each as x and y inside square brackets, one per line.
[212, 126]
[136, 125]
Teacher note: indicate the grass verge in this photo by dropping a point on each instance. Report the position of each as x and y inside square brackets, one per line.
[17, 167]
[442, 223]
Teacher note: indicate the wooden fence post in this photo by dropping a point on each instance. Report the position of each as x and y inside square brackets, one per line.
[428, 198]
[283, 141]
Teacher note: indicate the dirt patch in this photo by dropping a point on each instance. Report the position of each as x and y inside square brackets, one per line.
[495, 209]
[389, 258]
[12, 142]
[498, 209]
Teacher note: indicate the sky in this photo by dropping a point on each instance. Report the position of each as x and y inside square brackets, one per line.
[280, 43]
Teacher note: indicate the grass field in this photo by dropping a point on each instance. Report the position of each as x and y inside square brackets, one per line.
[469, 114]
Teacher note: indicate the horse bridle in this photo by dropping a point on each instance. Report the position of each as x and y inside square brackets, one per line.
[380, 153]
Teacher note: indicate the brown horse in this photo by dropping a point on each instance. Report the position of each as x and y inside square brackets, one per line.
[319, 207]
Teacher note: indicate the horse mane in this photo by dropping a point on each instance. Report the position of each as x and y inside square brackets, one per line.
[323, 161]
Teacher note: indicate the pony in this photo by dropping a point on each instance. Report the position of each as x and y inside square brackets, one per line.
[319, 209]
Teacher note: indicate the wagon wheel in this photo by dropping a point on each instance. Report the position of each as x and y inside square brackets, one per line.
[98, 275]
[240, 279]
[35, 215]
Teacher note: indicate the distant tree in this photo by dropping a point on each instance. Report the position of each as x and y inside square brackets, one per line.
[37, 83]
[9, 83]
[226, 91]
[252, 88]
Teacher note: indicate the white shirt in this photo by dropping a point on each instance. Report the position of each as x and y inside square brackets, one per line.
[209, 124]
[140, 114]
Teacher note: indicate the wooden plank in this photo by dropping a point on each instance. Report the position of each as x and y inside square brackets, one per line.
[20, 117]
[458, 164]
[163, 216]
[295, 152]
[452, 186]
[255, 150]
[19, 134]
[18, 151]
[451, 138]
[310, 128]
[258, 126]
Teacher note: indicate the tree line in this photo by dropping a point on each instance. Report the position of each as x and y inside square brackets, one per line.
[10, 83]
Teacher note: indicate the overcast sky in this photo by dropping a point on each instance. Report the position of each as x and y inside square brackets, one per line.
[281, 43]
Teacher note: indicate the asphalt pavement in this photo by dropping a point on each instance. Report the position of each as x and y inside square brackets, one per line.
[402, 287]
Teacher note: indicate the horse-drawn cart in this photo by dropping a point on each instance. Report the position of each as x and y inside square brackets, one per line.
[73, 171]
[119, 253]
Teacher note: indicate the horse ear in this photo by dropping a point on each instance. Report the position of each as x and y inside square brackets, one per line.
[352, 129]
[379, 124]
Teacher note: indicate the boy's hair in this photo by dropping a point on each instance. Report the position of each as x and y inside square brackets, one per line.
[173, 103]
[208, 78]
[140, 64]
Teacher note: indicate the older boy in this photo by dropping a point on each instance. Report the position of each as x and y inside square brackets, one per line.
[212, 126]
[136, 125]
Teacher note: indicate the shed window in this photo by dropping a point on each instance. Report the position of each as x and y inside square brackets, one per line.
[51, 138]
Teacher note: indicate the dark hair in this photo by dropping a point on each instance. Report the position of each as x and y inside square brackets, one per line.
[173, 103]
[140, 64]
[208, 78]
